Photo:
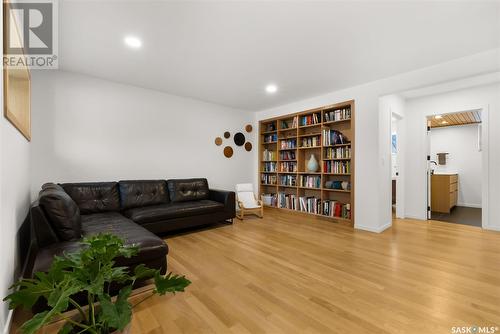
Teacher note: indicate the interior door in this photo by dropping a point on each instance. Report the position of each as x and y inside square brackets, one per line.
[429, 167]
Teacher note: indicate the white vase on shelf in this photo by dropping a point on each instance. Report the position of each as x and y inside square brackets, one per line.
[312, 164]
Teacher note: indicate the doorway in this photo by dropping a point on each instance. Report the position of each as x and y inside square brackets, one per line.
[454, 167]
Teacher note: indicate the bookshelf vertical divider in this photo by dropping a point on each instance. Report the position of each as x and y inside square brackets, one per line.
[286, 143]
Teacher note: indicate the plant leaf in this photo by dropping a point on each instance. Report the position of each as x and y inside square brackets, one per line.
[119, 314]
[142, 272]
[67, 328]
[170, 283]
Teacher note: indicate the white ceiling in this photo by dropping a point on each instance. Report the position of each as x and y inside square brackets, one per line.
[226, 52]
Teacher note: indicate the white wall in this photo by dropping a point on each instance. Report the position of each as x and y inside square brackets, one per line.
[373, 172]
[464, 158]
[487, 97]
[88, 129]
[14, 202]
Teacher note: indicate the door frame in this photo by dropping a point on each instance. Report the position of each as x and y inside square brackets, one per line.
[484, 109]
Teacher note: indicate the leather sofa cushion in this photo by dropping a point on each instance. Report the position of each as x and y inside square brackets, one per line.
[149, 214]
[183, 190]
[62, 212]
[142, 193]
[94, 197]
[150, 245]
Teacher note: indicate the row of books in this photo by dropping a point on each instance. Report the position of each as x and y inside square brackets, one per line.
[337, 114]
[270, 127]
[333, 137]
[270, 199]
[310, 204]
[288, 155]
[310, 119]
[311, 141]
[310, 181]
[343, 152]
[287, 201]
[269, 167]
[289, 167]
[286, 124]
[288, 143]
[271, 138]
[336, 209]
[337, 167]
[288, 180]
[268, 179]
[268, 155]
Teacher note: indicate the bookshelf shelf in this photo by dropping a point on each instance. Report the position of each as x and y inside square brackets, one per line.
[332, 127]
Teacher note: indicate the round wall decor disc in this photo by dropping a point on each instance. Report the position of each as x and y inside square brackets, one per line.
[218, 141]
[248, 146]
[239, 139]
[227, 134]
[228, 151]
[248, 128]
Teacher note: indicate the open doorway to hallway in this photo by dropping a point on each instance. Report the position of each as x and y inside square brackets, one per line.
[454, 183]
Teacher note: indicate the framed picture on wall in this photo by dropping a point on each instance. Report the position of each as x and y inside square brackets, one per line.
[16, 80]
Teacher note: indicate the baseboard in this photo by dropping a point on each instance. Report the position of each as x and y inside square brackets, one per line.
[415, 217]
[374, 230]
[478, 206]
[492, 228]
[6, 328]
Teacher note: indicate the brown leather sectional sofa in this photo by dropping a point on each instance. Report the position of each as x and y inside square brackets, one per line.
[137, 211]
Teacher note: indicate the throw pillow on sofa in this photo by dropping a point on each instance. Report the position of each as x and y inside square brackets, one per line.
[62, 212]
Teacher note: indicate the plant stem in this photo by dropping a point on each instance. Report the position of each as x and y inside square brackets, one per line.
[71, 321]
[79, 308]
[91, 309]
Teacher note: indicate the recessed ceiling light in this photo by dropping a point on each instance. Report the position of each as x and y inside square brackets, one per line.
[271, 88]
[438, 117]
[133, 42]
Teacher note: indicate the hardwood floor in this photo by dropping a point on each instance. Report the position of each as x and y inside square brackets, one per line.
[290, 273]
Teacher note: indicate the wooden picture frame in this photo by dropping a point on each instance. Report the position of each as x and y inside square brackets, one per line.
[16, 86]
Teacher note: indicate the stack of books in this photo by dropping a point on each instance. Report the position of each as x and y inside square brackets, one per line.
[337, 167]
[270, 167]
[289, 125]
[268, 155]
[287, 155]
[287, 201]
[271, 138]
[333, 137]
[288, 167]
[336, 209]
[268, 179]
[310, 119]
[310, 204]
[288, 144]
[343, 152]
[337, 114]
[311, 141]
[270, 199]
[310, 181]
[288, 180]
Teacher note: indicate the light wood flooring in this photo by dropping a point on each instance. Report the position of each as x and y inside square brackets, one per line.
[290, 273]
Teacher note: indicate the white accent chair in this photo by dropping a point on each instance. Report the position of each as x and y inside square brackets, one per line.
[247, 201]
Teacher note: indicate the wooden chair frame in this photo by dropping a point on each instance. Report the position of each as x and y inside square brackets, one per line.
[259, 211]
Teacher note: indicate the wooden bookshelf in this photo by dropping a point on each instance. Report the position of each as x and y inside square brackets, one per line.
[285, 147]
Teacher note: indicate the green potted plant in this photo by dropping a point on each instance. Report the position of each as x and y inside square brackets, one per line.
[89, 271]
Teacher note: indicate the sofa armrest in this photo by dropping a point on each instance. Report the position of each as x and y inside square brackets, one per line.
[227, 198]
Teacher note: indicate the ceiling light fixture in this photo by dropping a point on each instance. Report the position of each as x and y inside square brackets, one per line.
[271, 88]
[133, 42]
[438, 117]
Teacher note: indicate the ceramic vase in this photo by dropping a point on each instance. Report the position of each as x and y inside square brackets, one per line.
[312, 164]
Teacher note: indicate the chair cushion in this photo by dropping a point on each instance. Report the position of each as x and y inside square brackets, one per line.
[248, 199]
[94, 197]
[241, 187]
[149, 244]
[62, 211]
[143, 193]
[184, 190]
[150, 214]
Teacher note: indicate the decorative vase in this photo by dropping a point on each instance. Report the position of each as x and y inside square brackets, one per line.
[345, 185]
[312, 164]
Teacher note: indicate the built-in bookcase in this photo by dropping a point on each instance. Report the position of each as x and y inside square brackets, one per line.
[286, 144]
